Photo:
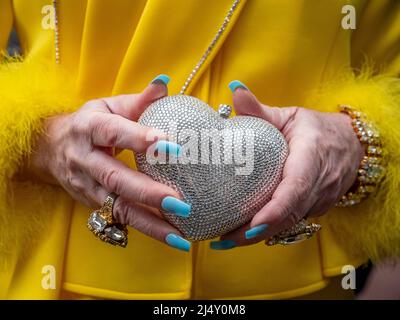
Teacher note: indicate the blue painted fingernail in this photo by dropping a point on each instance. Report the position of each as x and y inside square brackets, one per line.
[168, 147]
[162, 78]
[237, 84]
[178, 242]
[256, 231]
[176, 206]
[222, 244]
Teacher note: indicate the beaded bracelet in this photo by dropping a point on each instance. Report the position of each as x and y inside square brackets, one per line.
[371, 169]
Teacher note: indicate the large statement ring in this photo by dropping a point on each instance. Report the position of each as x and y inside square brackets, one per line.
[298, 233]
[103, 225]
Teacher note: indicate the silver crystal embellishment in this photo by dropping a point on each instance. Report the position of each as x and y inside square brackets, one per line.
[225, 110]
[114, 233]
[97, 222]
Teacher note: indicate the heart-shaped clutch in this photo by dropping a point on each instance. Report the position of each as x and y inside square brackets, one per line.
[228, 169]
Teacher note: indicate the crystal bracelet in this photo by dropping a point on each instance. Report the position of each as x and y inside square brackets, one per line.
[371, 169]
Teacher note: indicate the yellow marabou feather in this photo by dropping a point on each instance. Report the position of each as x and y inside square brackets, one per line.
[371, 228]
[29, 93]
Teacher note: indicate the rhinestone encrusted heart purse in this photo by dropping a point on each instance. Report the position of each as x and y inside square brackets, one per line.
[223, 194]
[228, 170]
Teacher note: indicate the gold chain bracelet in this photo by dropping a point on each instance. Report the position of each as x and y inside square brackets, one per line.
[371, 170]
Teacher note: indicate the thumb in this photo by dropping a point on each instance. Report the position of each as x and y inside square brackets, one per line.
[245, 103]
[131, 106]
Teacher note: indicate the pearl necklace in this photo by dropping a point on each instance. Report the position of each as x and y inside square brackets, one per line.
[56, 33]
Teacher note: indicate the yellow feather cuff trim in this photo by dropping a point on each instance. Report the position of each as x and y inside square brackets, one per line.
[28, 94]
[371, 228]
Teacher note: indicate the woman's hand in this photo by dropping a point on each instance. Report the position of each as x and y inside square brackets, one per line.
[324, 155]
[77, 151]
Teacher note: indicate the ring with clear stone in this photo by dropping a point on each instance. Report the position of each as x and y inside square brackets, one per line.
[298, 233]
[103, 225]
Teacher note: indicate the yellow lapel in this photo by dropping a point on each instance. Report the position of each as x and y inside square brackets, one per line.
[126, 43]
[109, 27]
[171, 38]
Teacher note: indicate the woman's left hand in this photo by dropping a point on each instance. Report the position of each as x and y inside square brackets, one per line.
[324, 155]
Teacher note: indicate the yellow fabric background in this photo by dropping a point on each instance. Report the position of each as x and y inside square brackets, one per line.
[283, 50]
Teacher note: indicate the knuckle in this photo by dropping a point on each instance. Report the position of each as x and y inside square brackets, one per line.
[81, 122]
[336, 177]
[143, 136]
[146, 227]
[97, 193]
[91, 104]
[75, 183]
[106, 128]
[316, 141]
[97, 105]
[128, 213]
[293, 218]
[111, 138]
[111, 179]
[281, 211]
[142, 195]
[302, 184]
[123, 213]
[294, 111]
[77, 124]
[95, 123]
[297, 197]
[71, 158]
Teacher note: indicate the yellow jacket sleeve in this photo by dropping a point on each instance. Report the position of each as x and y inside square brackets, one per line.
[29, 93]
[373, 227]
[6, 22]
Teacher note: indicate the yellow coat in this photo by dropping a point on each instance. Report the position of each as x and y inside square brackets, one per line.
[288, 52]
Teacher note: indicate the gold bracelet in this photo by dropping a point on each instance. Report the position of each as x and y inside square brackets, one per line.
[371, 170]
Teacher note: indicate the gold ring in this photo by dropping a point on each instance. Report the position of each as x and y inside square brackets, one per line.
[103, 225]
[298, 233]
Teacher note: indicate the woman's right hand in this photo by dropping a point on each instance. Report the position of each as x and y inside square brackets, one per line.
[76, 151]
